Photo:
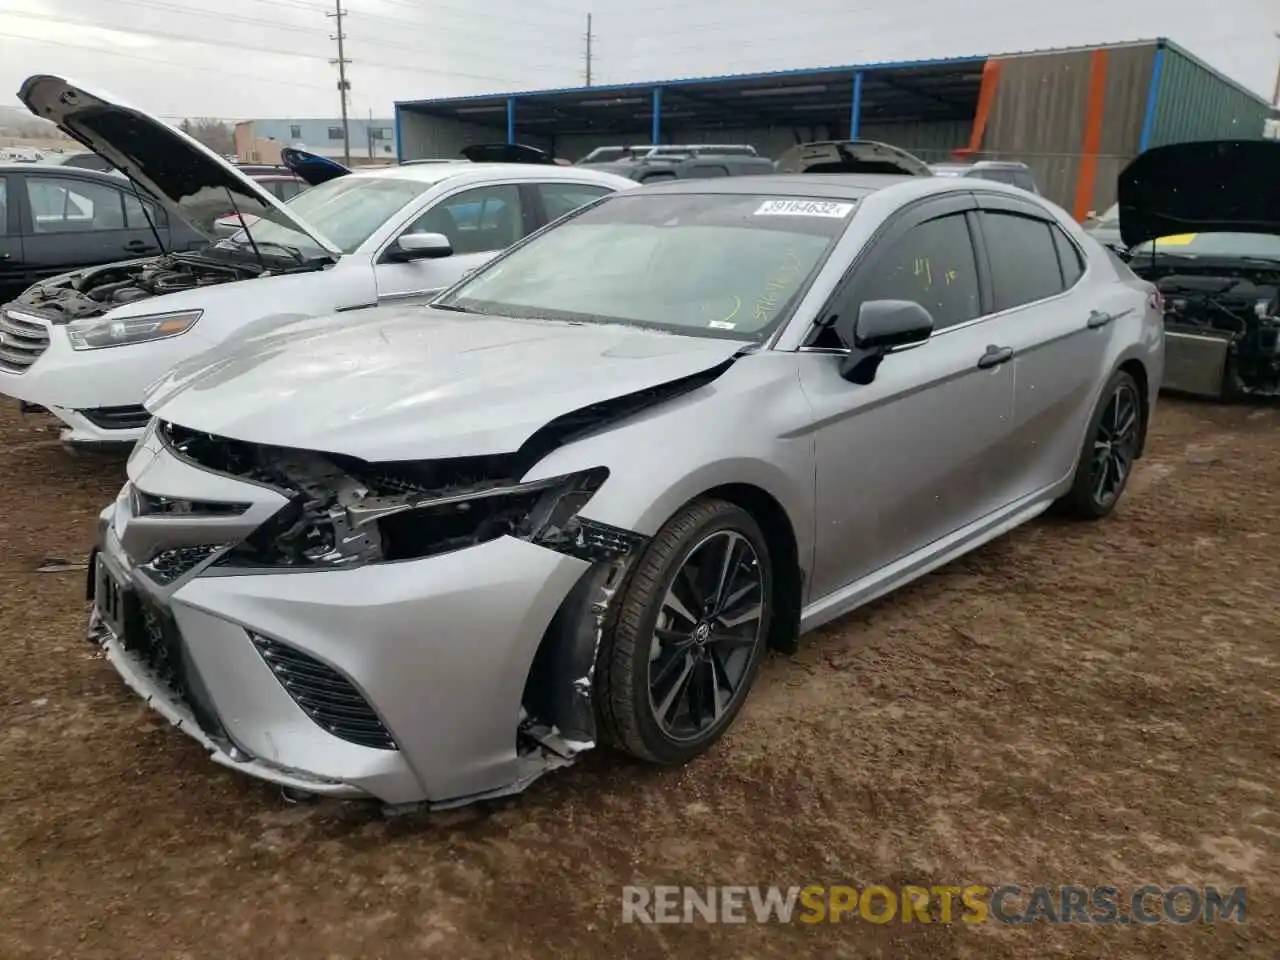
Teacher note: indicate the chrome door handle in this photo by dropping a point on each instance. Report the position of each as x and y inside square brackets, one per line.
[994, 357]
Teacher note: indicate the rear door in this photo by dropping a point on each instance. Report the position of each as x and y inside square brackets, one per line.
[480, 222]
[1044, 308]
[13, 271]
[71, 222]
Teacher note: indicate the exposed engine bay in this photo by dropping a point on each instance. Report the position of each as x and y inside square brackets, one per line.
[1222, 328]
[95, 291]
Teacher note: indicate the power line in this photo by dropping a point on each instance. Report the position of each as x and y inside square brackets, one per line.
[277, 51]
[344, 87]
[145, 59]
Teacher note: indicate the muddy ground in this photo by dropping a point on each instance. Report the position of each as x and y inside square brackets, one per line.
[1093, 704]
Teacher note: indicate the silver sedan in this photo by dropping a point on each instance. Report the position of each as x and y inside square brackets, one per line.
[426, 554]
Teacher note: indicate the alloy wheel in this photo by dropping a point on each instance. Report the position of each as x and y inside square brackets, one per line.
[1114, 445]
[707, 635]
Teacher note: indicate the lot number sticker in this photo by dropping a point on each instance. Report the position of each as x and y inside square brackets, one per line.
[804, 208]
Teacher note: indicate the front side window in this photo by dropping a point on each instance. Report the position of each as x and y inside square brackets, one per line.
[347, 211]
[1024, 259]
[713, 265]
[135, 219]
[476, 220]
[932, 264]
[705, 170]
[73, 206]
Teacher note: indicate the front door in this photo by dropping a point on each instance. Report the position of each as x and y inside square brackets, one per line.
[479, 222]
[913, 456]
[74, 223]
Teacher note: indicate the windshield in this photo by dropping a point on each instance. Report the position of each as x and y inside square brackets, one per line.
[726, 265]
[1264, 245]
[346, 211]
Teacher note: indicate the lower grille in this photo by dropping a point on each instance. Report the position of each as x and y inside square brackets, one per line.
[118, 418]
[151, 636]
[22, 340]
[325, 695]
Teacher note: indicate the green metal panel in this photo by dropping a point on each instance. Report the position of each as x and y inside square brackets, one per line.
[1196, 103]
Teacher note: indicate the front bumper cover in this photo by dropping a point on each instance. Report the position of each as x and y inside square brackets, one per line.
[440, 648]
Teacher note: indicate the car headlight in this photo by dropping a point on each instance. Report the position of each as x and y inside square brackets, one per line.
[97, 333]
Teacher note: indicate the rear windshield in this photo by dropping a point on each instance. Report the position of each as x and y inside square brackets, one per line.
[713, 265]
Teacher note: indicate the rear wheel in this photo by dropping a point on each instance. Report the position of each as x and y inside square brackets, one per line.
[689, 636]
[1110, 448]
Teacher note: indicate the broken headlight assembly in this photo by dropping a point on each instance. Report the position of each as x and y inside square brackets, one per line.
[99, 333]
[340, 524]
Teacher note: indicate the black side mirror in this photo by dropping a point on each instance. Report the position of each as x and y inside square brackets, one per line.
[880, 327]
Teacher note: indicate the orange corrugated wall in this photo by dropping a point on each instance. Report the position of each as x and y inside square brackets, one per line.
[1092, 141]
[986, 97]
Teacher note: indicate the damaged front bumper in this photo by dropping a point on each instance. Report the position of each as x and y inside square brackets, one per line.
[403, 681]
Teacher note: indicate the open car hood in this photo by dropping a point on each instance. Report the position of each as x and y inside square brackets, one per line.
[1208, 186]
[505, 153]
[175, 169]
[852, 156]
[311, 167]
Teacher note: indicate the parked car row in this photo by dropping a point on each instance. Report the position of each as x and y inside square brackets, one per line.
[626, 432]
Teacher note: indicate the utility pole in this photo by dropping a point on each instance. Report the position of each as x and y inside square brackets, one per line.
[590, 37]
[344, 86]
[1275, 96]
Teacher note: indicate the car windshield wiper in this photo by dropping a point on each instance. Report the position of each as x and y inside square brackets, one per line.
[1275, 261]
[452, 308]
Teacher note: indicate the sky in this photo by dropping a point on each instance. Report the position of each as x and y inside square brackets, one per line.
[242, 59]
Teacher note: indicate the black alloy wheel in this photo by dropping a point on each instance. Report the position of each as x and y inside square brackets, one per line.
[1111, 446]
[691, 632]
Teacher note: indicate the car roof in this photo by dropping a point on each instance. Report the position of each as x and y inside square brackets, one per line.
[437, 172]
[60, 170]
[833, 186]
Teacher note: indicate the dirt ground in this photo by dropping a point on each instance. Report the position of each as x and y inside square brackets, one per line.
[1093, 704]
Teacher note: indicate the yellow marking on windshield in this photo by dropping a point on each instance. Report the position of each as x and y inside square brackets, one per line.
[1177, 239]
[768, 301]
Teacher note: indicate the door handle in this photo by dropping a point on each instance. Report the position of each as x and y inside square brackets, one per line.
[1099, 319]
[5, 256]
[137, 246]
[994, 357]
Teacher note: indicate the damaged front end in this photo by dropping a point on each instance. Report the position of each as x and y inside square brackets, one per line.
[344, 513]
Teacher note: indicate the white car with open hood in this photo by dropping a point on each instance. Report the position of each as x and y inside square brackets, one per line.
[85, 345]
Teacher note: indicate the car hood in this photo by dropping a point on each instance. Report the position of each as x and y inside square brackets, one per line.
[173, 168]
[1209, 186]
[851, 156]
[311, 167]
[417, 383]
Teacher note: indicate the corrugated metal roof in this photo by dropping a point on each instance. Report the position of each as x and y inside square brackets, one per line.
[794, 73]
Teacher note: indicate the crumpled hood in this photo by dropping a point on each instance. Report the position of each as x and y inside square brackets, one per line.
[178, 171]
[1209, 186]
[405, 383]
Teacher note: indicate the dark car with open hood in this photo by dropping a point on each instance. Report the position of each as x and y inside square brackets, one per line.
[1202, 222]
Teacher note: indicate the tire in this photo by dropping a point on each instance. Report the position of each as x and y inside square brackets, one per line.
[691, 542]
[1090, 498]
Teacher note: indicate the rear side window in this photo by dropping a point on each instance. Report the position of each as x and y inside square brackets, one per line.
[561, 198]
[1068, 258]
[1024, 259]
[658, 175]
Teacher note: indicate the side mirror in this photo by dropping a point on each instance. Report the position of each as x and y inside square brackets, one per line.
[880, 327]
[421, 246]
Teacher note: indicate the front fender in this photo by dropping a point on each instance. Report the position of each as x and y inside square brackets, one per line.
[751, 426]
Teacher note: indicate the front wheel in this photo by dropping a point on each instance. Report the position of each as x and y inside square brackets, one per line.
[689, 636]
[1110, 449]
